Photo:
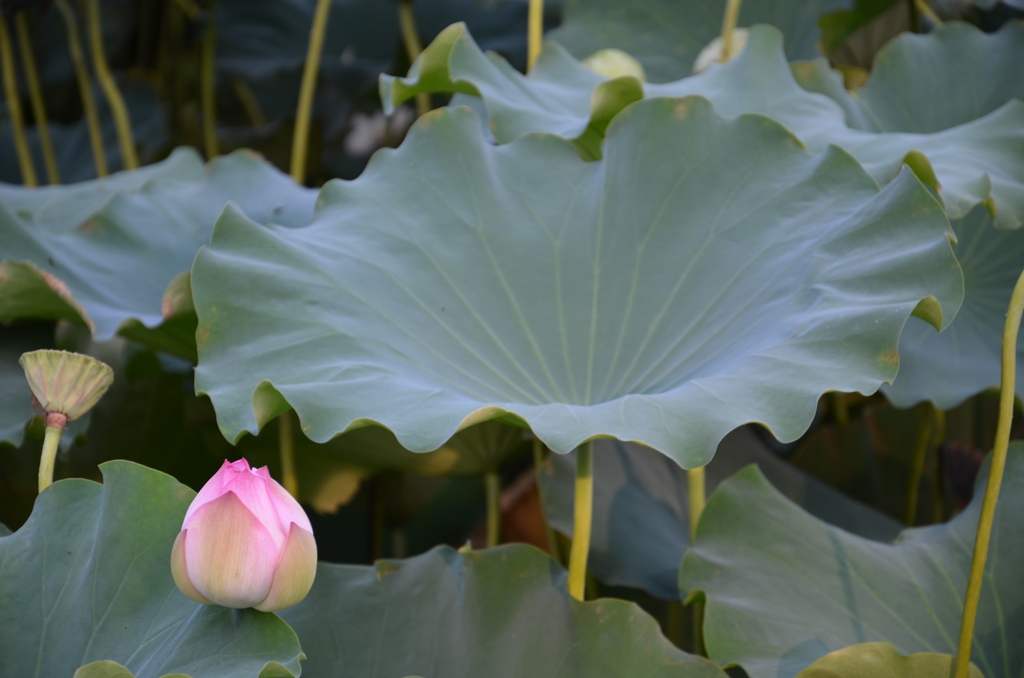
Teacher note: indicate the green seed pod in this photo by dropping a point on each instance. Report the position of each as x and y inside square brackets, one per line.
[66, 383]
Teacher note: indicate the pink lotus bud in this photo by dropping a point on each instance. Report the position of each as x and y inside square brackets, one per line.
[245, 542]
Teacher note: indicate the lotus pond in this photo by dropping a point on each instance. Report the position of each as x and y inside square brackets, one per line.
[511, 338]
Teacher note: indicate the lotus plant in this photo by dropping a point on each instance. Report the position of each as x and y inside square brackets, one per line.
[245, 542]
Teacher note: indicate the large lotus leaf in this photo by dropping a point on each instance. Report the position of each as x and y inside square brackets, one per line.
[497, 613]
[965, 359]
[784, 589]
[114, 268]
[612, 298]
[667, 35]
[978, 161]
[929, 83]
[88, 578]
[641, 511]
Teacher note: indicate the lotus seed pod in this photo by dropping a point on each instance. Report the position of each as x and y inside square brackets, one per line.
[245, 542]
[65, 383]
[713, 52]
[614, 63]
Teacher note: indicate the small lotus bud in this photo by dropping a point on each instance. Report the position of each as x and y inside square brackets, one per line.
[713, 52]
[613, 63]
[245, 542]
[63, 383]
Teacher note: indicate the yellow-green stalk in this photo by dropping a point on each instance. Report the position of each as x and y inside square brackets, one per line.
[122, 121]
[28, 170]
[1007, 396]
[583, 511]
[732, 15]
[307, 89]
[92, 118]
[35, 93]
[535, 32]
[286, 444]
[492, 488]
[413, 47]
[208, 91]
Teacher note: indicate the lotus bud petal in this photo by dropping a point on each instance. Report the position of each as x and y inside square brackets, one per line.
[614, 63]
[713, 52]
[66, 383]
[245, 542]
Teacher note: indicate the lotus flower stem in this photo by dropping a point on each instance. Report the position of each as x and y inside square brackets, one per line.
[413, 47]
[92, 118]
[28, 171]
[492, 486]
[995, 478]
[114, 99]
[538, 464]
[208, 91]
[307, 89]
[732, 14]
[35, 92]
[924, 437]
[582, 519]
[55, 423]
[189, 8]
[286, 443]
[535, 32]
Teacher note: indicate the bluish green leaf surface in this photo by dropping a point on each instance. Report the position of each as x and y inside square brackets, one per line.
[976, 151]
[456, 281]
[88, 578]
[784, 589]
[667, 35]
[501, 613]
[949, 367]
[115, 245]
[641, 519]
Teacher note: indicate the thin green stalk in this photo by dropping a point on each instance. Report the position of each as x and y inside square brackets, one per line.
[492, 487]
[924, 437]
[208, 91]
[189, 8]
[307, 89]
[92, 118]
[538, 463]
[28, 170]
[535, 32]
[413, 47]
[697, 493]
[924, 10]
[249, 102]
[939, 501]
[995, 478]
[582, 518]
[732, 15]
[35, 93]
[286, 446]
[51, 441]
[114, 99]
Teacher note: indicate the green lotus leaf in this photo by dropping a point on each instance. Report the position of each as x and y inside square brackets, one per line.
[667, 35]
[841, 24]
[455, 282]
[882, 660]
[974, 160]
[784, 589]
[106, 253]
[502, 612]
[918, 82]
[641, 510]
[88, 578]
[551, 98]
[949, 367]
